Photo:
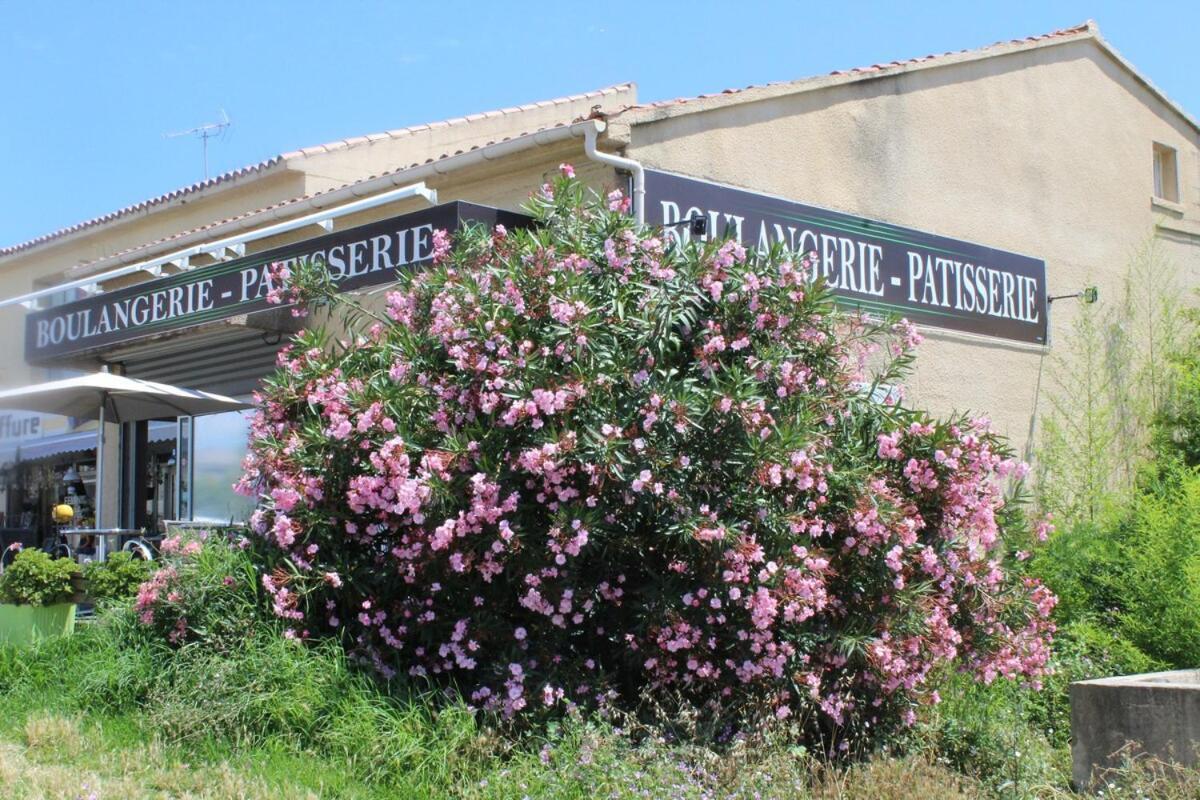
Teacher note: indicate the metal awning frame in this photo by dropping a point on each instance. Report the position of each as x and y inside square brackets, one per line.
[223, 249]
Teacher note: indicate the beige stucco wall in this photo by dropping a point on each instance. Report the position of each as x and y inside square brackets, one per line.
[1045, 152]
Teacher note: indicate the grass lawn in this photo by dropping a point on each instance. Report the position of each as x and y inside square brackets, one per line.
[52, 755]
[111, 714]
[55, 756]
[57, 744]
[51, 751]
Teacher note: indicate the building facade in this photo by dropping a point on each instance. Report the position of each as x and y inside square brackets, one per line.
[992, 178]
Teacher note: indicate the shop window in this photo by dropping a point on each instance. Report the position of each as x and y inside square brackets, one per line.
[1166, 173]
[218, 446]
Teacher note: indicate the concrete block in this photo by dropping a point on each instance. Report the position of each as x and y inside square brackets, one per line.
[1156, 713]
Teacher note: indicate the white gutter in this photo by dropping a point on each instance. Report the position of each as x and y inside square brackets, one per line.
[628, 164]
[354, 197]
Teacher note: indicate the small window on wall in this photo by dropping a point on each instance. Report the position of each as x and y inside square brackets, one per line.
[1166, 173]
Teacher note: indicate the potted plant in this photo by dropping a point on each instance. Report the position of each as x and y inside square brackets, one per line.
[37, 597]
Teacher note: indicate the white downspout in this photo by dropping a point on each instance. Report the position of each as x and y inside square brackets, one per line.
[639, 173]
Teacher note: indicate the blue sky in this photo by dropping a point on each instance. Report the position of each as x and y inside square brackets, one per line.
[88, 90]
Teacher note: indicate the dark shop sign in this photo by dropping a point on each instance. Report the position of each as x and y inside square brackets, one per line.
[878, 267]
[356, 257]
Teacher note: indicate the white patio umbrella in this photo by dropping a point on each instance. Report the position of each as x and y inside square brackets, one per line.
[107, 397]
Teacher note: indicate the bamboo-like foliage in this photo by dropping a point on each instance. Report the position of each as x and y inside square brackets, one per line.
[1108, 380]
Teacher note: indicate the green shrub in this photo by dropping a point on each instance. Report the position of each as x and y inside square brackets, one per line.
[207, 589]
[1176, 430]
[117, 578]
[1081, 565]
[983, 730]
[1135, 573]
[36, 579]
[1158, 577]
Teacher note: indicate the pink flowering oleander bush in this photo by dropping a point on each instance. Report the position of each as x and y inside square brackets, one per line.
[205, 588]
[576, 464]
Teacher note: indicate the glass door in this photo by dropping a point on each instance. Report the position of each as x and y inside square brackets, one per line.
[219, 443]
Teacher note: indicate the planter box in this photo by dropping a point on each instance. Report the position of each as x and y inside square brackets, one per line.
[1157, 714]
[22, 625]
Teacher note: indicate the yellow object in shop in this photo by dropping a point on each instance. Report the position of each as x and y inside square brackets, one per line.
[63, 513]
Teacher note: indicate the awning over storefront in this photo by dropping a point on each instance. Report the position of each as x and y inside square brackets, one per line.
[80, 442]
[75, 442]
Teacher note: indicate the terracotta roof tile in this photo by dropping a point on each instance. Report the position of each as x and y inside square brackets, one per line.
[874, 68]
[270, 163]
[295, 200]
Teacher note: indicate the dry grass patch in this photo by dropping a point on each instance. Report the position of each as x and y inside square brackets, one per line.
[59, 761]
[49, 735]
[885, 778]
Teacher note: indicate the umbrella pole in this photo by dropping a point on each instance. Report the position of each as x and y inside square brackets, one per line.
[101, 541]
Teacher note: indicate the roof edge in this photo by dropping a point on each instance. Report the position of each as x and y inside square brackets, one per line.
[1089, 30]
[288, 209]
[283, 161]
[1141, 78]
[206, 187]
[400, 133]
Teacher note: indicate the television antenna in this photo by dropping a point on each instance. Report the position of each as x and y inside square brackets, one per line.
[209, 130]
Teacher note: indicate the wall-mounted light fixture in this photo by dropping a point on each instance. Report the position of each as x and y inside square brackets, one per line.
[1088, 295]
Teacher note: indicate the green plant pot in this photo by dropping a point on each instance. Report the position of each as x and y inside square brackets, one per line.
[21, 625]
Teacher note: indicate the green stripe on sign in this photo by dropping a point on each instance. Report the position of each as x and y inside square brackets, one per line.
[878, 305]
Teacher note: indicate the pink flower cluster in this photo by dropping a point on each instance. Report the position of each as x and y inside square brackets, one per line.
[579, 464]
[172, 603]
[283, 290]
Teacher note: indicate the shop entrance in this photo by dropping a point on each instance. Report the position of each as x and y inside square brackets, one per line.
[184, 469]
[148, 462]
[160, 485]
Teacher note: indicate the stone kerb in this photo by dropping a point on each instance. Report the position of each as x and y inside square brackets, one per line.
[1156, 714]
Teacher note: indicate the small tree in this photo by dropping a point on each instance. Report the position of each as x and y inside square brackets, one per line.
[1080, 458]
[573, 466]
[1110, 379]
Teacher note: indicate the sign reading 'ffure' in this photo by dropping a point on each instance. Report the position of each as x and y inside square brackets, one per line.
[879, 267]
[363, 256]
